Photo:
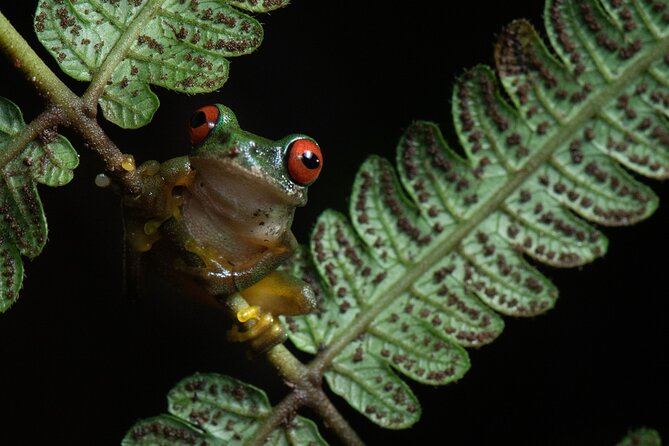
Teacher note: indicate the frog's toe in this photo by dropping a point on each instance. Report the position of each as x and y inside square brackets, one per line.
[261, 336]
[252, 312]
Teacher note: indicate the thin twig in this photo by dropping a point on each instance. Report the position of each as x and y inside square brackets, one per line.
[66, 109]
[15, 146]
[306, 391]
[24, 59]
[321, 404]
[281, 413]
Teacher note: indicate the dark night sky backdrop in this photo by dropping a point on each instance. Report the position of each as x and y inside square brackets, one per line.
[80, 363]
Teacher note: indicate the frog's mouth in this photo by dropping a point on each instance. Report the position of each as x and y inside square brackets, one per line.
[232, 181]
[239, 202]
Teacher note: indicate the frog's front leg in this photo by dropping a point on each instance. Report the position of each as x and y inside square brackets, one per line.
[156, 203]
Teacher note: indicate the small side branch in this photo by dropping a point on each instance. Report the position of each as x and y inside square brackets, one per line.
[16, 145]
[65, 109]
[334, 420]
[281, 413]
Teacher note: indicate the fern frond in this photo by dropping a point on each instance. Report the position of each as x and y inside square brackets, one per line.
[217, 410]
[23, 226]
[178, 45]
[435, 249]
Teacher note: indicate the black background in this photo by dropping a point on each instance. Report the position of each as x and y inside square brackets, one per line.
[79, 364]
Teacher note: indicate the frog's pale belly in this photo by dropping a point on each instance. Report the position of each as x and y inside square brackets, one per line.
[234, 214]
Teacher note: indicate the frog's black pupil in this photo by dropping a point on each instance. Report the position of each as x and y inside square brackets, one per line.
[310, 160]
[198, 119]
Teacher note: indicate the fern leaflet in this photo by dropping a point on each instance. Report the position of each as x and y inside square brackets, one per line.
[23, 227]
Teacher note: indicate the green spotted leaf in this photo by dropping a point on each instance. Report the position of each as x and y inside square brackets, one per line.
[437, 249]
[181, 45]
[641, 437]
[23, 227]
[259, 5]
[11, 273]
[369, 386]
[166, 430]
[217, 410]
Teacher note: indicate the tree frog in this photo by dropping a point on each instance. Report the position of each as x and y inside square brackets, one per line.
[221, 217]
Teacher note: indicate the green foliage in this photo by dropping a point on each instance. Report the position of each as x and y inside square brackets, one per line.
[23, 228]
[217, 410]
[641, 437]
[435, 250]
[178, 45]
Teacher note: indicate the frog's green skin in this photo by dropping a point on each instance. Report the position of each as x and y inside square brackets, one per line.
[224, 214]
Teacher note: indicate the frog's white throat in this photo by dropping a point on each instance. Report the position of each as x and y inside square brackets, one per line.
[230, 209]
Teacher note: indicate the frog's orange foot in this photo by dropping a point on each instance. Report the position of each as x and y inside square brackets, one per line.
[261, 329]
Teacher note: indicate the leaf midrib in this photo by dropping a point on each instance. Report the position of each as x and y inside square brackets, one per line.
[120, 50]
[592, 107]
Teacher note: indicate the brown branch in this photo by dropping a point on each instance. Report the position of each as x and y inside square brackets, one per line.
[64, 108]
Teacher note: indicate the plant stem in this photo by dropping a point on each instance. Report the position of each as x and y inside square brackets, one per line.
[16, 145]
[281, 413]
[67, 109]
[334, 420]
[287, 365]
[24, 59]
[306, 391]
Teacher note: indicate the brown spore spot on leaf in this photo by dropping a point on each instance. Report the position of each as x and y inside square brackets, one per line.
[272, 3]
[151, 42]
[487, 91]
[512, 231]
[207, 14]
[65, 20]
[542, 127]
[409, 147]
[39, 22]
[181, 34]
[225, 19]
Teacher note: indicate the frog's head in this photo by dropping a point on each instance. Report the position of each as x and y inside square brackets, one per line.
[282, 170]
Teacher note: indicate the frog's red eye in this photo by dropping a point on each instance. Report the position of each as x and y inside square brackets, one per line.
[304, 160]
[202, 122]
